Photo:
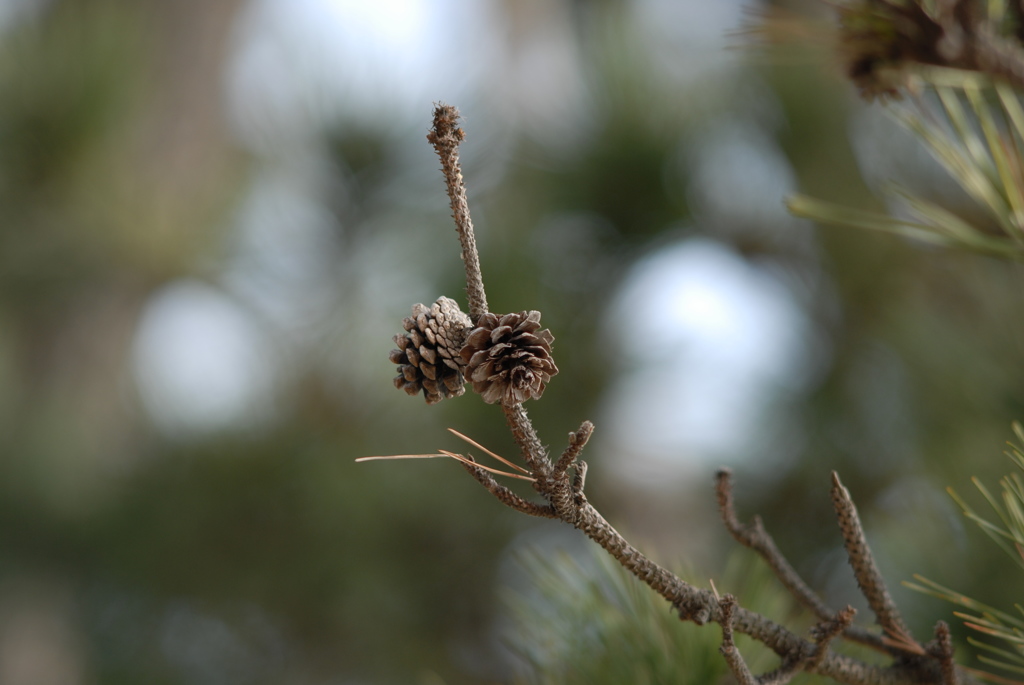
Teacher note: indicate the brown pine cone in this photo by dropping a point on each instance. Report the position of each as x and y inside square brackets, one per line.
[507, 358]
[428, 352]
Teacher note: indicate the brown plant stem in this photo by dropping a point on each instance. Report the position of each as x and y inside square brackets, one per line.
[754, 536]
[942, 650]
[828, 630]
[446, 136]
[701, 606]
[577, 441]
[507, 497]
[865, 570]
[780, 676]
[740, 670]
[695, 604]
[534, 453]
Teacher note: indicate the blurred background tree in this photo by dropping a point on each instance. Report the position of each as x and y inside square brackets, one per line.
[213, 217]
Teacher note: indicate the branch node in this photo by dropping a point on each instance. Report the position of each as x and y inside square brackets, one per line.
[578, 481]
[739, 668]
[692, 608]
[826, 631]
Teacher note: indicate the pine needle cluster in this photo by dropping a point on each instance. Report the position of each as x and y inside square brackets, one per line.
[1007, 531]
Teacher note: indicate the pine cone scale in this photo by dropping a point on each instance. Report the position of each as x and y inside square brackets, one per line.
[482, 373]
[499, 333]
[478, 337]
[429, 354]
[413, 355]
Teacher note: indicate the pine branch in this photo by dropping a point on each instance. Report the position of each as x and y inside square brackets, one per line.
[701, 607]
[568, 503]
[565, 499]
[757, 538]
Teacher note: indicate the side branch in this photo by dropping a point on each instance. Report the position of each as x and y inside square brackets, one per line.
[446, 136]
[577, 441]
[869, 578]
[507, 497]
[732, 655]
[942, 649]
[754, 536]
[701, 606]
[828, 630]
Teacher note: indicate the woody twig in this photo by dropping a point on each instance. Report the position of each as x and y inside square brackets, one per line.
[563, 498]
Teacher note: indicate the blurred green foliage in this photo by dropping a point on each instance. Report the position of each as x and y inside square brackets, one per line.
[1008, 534]
[586, 620]
[262, 554]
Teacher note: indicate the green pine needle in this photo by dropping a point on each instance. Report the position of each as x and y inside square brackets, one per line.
[974, 128]
[586, 620]
[986, 620]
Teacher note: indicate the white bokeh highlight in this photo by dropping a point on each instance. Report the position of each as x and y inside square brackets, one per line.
[299, 65]
[739, 178]
[709, 341]
[201, 363]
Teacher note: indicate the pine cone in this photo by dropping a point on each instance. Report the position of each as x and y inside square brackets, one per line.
[880, 39]
[428, 353]
[508, 359]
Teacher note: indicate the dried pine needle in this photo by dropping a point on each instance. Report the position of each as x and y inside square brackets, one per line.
[492, 454]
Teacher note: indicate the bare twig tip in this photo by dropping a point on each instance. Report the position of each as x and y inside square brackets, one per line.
[577, 441]
[445, 137]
